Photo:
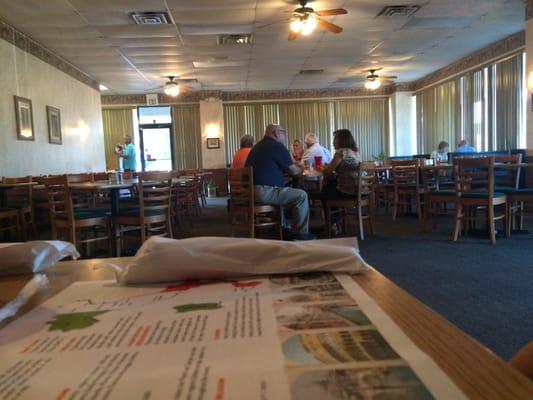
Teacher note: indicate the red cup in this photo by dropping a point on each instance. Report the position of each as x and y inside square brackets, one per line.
[318, 161]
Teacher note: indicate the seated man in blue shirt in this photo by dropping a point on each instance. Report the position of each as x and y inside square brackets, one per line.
[270, 159]
[464, 147]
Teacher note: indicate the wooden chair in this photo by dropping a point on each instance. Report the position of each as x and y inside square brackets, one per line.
[152, 215]
[65, 216]
[407, 188]
[437, 195]
[21, 199]
[243, 210]
[362, 204]
[9, 221]
[474, 189]
[82, 198]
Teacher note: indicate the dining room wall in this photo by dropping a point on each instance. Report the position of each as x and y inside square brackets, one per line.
[82, 148]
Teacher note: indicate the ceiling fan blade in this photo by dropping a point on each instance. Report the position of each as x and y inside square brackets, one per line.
[390, 77]
[329, 26]
[292, 35]
[334, 11]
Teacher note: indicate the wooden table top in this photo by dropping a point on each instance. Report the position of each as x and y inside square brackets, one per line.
[106, 185]
[12, 185]
[478, 372]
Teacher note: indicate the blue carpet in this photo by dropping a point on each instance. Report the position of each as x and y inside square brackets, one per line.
[486, 290]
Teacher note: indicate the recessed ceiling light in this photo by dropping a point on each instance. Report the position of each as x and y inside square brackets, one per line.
[103, 87]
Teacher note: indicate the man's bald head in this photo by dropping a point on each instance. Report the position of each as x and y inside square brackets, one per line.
[275, 132]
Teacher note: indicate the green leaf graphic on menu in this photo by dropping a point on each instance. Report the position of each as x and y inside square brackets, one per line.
[197, 307]
[73, 321]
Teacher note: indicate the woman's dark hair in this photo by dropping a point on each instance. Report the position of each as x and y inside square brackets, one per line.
[345, 139]
[247, 141]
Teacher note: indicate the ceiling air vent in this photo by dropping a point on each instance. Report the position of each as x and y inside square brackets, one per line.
[234, 39]
[151, 18]
[310, 71]
[398, 11]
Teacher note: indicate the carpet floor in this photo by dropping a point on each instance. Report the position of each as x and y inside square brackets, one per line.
[486, 290]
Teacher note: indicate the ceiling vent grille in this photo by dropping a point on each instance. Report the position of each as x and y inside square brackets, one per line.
[234, 39]
[151, 18]
[398, 11]
[311, 71]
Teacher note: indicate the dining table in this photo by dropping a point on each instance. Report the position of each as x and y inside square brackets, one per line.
[475, 369]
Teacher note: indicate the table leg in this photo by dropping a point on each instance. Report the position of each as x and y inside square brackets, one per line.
[115, 208]
[3, 197]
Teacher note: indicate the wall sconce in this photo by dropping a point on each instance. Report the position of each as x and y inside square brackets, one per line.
[212, 131]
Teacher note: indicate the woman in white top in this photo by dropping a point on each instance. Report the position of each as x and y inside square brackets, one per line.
[441, 154]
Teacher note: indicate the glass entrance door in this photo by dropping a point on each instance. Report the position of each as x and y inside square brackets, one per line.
[156, 148]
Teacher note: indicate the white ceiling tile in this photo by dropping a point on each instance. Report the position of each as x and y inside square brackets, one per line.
[409, 48]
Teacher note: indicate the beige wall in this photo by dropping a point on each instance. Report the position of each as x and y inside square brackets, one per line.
[212, 126]
[81, 118]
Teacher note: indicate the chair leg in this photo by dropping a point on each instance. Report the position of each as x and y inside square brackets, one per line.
[490, 221]
[169, 227]
[360, 219]
[328, 220]
[395, 206]
[418, 206]
[508, 219]
[457, 226]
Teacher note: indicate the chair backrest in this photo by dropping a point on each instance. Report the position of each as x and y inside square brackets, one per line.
[406, 172]
[241, 182]
[101, 176]
[367, 179]
[507, 177]
[154, 192]
[474, 175]
[20, 196]
[59, 198]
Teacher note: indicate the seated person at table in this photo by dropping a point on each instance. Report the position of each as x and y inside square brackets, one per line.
[441, 154]
[239, 159]
[464, 147]
[342, 167]
[314, 149]
[270, 159]
[127, 152]
[297, 151]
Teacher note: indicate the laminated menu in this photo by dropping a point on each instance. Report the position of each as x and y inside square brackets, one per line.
[304, 336]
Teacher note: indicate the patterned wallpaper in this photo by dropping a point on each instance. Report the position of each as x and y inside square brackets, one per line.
[263, 95]
[24, 42]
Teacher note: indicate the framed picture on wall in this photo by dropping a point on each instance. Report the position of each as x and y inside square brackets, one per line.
[54, 125]
[213, 143]
[24, 118]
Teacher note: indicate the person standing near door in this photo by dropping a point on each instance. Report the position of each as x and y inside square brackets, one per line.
[128, 154]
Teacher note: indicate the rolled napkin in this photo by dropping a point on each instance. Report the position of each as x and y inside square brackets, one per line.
[36, 256]
[167, 260]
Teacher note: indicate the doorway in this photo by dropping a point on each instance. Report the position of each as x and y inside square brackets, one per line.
[156, 140]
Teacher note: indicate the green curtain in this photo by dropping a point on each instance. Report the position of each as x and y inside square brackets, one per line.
[117, 123]
[368, 120]
[187, 136]
[507, 103]
[301, 118]
[474, 115]
[439, 116]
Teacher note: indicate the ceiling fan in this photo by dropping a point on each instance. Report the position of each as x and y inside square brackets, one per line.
[304, 20]
[373, 81]
[174, 86]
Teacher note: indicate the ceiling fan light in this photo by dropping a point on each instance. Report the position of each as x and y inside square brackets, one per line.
[309, 25]
[296, 25]
[172, 90]
[373, 84]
